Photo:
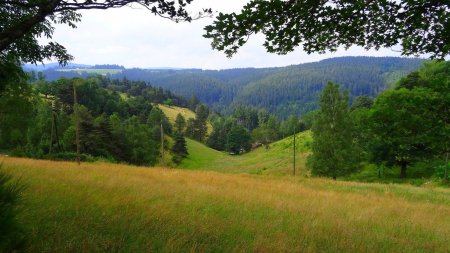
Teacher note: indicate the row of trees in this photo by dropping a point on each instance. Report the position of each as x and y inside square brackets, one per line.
[403, 126]
[247, 127]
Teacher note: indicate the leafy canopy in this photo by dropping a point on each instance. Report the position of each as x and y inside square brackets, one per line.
[22, 22]
[421, 27]
[334, 152]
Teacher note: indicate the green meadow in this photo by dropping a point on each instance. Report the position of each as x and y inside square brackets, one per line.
[274, 159]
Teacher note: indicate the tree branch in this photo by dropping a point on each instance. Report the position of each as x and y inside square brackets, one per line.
[11, 34]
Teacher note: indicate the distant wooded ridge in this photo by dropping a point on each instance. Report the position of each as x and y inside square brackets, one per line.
[284, 91]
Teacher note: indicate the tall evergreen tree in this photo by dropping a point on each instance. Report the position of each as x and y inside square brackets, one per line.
[180, 123]
[179, 148]
[200, 123]
[333, 150]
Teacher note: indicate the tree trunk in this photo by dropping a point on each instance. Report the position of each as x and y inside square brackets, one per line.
[403, 169]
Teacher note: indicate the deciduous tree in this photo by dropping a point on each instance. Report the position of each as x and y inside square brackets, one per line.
[421, 27]
[333, 149]
[22, 22]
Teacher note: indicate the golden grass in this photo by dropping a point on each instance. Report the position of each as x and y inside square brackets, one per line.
[171, 113]
[105, 207]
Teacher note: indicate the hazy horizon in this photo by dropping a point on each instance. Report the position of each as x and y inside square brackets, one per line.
[46, 65]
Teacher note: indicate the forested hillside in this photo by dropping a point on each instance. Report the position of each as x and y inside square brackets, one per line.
[115, 120]
[283, 91]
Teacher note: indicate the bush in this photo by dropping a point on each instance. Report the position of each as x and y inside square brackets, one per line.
[17, 152]
[11, 234]
[439, 171]
[69, 156]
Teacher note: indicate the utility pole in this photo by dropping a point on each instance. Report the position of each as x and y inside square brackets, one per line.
[162, 145]
[77, 123]
[294, 150]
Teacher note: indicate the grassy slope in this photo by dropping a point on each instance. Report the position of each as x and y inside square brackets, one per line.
[109, 208]
[171, 113]
[277, 159]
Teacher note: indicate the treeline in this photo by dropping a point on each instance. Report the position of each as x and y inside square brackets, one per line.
[284, 91]
[405, 127]
[244, 129]
[116, 119]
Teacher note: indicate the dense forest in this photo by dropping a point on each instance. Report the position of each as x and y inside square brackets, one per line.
[115, 119]
[404, 127]
[284, 91]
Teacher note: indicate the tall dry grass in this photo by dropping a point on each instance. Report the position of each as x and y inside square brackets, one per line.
[105, 207]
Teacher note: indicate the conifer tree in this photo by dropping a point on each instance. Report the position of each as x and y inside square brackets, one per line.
[179, 149]
[200, 125]
[180, 123]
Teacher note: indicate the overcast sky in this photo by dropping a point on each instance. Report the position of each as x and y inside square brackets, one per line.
[133, 37]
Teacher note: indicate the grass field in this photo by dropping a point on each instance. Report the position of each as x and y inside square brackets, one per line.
[275, 160]
[117, 208]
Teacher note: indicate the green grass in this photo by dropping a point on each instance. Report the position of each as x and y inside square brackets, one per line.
[116, 208]
[92, 71]
[277, 159]
[203, 157]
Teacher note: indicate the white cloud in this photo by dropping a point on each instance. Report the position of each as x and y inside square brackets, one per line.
[136, 38]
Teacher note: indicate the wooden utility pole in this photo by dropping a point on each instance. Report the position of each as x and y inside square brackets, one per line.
[77, 123]
[162, 145]
[294, 150]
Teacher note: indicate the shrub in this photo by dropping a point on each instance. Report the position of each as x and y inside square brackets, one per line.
[11, 234]
[69, 156]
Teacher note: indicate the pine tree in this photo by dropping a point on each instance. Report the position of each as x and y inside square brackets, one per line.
[334, 152]
[180, 123]
[179, 148]
[200, 125]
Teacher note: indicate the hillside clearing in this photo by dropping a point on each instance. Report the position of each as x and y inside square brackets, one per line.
[276, 159]
[106, 207]
[171, 113]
